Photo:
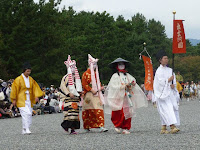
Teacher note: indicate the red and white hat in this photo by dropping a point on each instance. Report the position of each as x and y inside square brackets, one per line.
[71, 64]
[96, 85]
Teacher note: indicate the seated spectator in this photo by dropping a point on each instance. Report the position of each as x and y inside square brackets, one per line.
[8, 91]
[36, 112]
[4, 88]
[38, 108]
[5, 113]
[47, 107]
[55, 104]
[41, 105]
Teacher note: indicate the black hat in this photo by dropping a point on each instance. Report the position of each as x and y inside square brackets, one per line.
[26, 65]
[160, 54]
[119, 60]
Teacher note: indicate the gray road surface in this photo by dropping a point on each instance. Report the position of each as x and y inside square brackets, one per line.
[47, 133]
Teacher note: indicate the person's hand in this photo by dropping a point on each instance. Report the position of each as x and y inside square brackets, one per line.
[36, 99]
[71, 95]
[171, 78]
[102, 88]
[133, 83]
[94, 91]
[123, 86]
[172, 86]
[14, 102]
[81, 93]
[9, 113]
[128, 86]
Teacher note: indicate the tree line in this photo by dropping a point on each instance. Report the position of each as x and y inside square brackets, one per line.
[44, 35]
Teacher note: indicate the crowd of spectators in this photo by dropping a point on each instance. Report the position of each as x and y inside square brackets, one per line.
[48, 104]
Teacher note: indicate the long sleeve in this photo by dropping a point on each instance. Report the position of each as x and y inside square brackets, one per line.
[15, 90]
[131, 78]
[86, 79]
[161, 85]
[63, 85]
[161, 80]
[114, 93]
[37, 92]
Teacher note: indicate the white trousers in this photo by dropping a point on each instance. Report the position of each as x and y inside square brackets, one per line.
[26, 113]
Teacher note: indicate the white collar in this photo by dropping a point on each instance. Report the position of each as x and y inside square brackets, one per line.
[25, 76]
[26, 80]
[163, 66]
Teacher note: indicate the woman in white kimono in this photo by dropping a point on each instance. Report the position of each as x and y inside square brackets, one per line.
[123, 95]
[166, 95]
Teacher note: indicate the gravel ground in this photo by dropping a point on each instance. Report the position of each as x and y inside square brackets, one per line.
[48, 134]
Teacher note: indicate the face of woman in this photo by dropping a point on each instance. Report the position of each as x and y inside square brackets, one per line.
[121, 65]
[164, 61]
[27, 72]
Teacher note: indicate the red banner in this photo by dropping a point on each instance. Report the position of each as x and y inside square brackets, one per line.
[148, 82]
[179, 43]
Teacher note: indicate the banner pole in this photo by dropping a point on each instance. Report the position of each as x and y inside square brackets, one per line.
[174, 13]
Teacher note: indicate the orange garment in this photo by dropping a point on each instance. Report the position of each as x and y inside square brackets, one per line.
[86, 81]
[93, 118]
[92, 110]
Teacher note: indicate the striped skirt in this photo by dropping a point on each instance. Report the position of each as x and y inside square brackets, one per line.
[71, 114]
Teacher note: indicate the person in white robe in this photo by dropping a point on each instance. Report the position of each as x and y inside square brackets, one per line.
[166, 95]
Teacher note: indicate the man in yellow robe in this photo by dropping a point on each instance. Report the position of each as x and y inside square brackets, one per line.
[25, 92]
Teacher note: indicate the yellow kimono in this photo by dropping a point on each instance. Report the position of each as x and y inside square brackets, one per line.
[19, 88]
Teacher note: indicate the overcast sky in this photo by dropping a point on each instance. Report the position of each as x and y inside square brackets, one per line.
[188, 10]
